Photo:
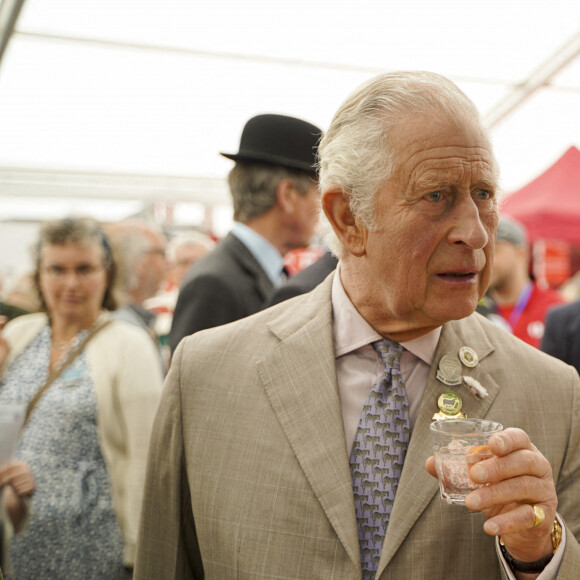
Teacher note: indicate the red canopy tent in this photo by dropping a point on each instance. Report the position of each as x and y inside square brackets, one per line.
[549, 206]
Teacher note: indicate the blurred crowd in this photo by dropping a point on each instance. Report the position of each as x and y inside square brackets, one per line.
[85, 343]
[153, 264]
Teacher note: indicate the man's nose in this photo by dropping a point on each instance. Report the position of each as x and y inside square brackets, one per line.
[467, 226]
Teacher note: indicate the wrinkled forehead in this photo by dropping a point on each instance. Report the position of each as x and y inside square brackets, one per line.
[436, 144]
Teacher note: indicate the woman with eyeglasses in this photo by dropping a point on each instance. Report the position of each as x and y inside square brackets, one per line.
[90, 386]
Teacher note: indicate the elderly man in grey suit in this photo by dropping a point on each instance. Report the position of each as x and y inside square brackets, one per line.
[253, 467]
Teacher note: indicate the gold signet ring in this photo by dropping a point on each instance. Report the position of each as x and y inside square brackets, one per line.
[539, 515]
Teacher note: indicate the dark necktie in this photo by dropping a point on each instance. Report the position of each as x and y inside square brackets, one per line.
[378, 454]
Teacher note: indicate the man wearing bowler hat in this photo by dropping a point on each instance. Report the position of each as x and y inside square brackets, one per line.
[274, 188]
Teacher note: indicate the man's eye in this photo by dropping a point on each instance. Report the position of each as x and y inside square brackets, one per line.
[483, 194]
[434, 196]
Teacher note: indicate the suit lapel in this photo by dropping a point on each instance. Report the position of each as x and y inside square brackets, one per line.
[299, 378]
[417, 488]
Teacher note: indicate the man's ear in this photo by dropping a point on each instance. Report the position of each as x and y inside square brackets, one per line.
[286, 194]
[351, 233]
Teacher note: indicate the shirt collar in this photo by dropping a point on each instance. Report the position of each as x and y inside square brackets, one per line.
[265, 253]
[352, 331]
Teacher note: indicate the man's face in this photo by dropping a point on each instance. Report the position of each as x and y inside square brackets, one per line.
[429, 259]
[185, 257]
[508, 261]
[154, 266]
[305, 218]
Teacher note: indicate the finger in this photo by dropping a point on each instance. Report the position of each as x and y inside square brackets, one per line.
[511, 522]
[7, 475]
[23, 483]
[430, 466]
[14, 472]
[519, 520]
[519, 490]
[10, 468]
[24, 488]
[509, 440]
[3, 321]
[517, 463]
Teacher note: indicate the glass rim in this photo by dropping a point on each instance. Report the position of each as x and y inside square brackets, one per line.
[495, 426]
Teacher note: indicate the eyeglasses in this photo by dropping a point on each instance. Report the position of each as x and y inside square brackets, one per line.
[160, 251]
[81, 272]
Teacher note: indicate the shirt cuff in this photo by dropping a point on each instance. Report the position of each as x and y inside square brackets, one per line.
[550, 572]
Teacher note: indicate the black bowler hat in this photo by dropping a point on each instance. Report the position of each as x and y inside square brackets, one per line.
[279, 140]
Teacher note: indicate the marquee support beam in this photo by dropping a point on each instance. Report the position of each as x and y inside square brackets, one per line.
[9, 12]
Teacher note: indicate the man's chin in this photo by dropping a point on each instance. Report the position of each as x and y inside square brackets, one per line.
[455, 310]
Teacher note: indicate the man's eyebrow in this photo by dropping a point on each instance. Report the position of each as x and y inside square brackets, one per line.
[487, 183]
[436, 183]
[443, 183]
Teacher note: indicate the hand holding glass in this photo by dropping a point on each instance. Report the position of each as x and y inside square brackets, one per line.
[458, 444]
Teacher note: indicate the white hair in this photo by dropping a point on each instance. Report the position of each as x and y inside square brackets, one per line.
[356, 155]
[131, 238]
[188, 239]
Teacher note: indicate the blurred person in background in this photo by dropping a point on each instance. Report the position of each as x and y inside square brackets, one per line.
[486, 307]
[570, 289]
[306, 279]
[139, 247]
[18, 485]
[276, 203]
[91, 386]
[562, 334]
[182, 252]
[517, 298]
[21, 297]
[9, 311]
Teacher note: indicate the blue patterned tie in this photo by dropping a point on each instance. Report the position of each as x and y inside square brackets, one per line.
[377, 456]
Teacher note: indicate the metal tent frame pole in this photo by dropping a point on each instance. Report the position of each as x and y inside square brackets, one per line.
[9, 11]
[541, 77]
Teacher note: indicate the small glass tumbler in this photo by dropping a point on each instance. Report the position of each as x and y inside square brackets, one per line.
[458, 444]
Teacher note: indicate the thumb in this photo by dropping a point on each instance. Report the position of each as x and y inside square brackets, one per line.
[430, 466]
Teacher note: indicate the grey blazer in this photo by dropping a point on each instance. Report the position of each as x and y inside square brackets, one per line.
[248, 468]
[225, 285]
[562, 335]
[305, 280]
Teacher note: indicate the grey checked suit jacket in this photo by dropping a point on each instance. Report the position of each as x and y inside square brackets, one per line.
[248, 472]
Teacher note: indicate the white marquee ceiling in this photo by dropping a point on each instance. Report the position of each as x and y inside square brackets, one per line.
[130, 101]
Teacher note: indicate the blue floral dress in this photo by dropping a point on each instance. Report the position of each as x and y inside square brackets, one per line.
[73, 531]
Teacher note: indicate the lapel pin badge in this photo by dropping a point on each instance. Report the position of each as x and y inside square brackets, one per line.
[468, 357]
[449, 370]
[449, 404]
